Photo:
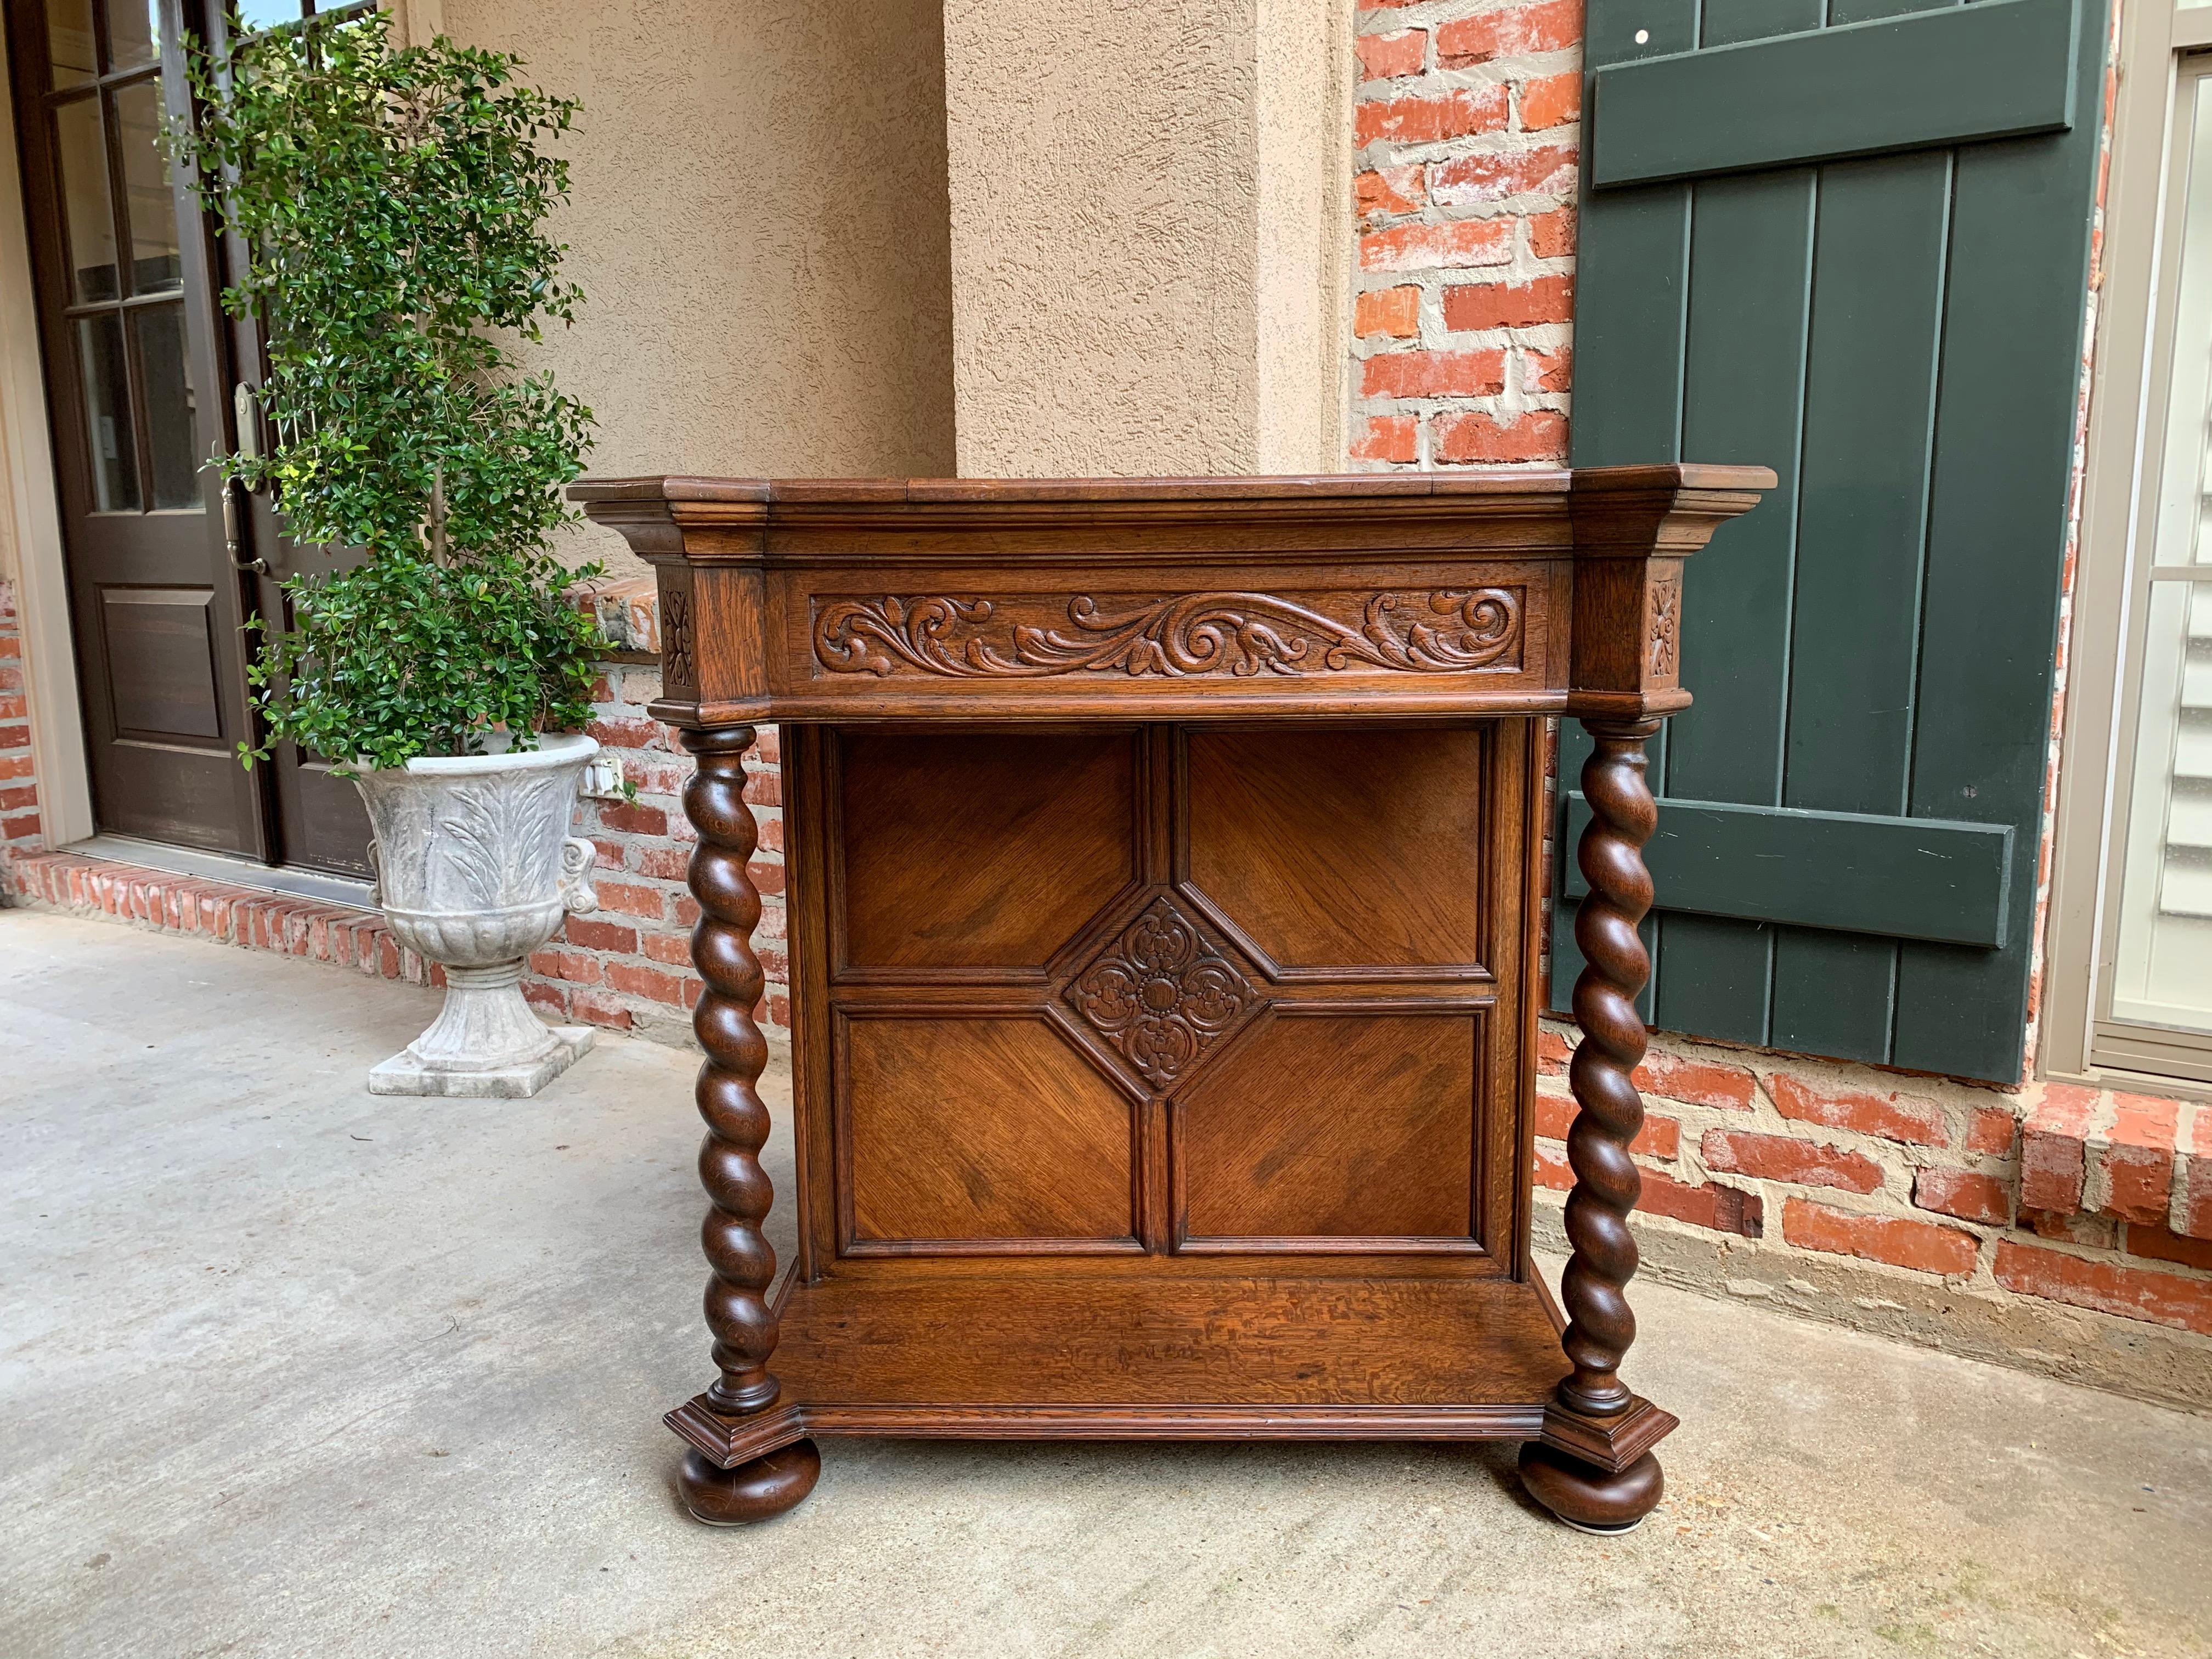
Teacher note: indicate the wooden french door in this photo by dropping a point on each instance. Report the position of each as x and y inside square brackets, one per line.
[141, 374]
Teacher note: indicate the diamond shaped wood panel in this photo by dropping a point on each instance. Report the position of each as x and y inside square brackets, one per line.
[1164, 993]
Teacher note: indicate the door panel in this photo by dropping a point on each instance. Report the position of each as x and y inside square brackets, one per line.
[139, 381]
[1027, 1142]
[1898, 335]
[319, 820]
[1266, 1151]
[167, 634]
[129, 336]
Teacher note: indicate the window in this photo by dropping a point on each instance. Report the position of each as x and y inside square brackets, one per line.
[2157, 969]
[2130, 967]
[119, 209]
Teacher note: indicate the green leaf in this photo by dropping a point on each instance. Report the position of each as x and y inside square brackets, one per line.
[392, 199]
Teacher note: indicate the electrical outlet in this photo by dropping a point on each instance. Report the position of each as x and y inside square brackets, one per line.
[602, 780]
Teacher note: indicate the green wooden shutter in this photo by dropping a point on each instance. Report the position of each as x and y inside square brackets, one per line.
[1851, 245]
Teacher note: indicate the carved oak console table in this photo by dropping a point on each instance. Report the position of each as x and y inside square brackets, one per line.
[1164, 866]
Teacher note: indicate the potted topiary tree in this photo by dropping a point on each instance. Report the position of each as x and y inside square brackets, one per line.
[389, 202]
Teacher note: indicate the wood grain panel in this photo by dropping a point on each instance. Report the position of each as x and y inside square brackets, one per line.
[1142, 1339]
[980, 1129]
[1335, 849]
[984, 851]
[1332, 1126]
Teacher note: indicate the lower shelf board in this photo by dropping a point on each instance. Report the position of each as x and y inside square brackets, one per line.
[1137, 1356]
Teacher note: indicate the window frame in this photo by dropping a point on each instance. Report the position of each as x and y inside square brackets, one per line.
[2164, 50]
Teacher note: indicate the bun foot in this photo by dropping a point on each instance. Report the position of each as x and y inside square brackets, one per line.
[1586, 1497]
[758, 1490]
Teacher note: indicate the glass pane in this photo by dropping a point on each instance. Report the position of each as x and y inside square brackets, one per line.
[268, 13]
[84, 198]
[107, 414]
[153, 208]
[2183, 507]
[2163, 973]
[2162, 951]
[134, 33]
[68, 42]
[165, 374]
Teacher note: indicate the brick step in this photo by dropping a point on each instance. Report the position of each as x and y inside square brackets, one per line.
[253, 920]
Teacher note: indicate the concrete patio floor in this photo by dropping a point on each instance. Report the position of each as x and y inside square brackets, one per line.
[291, 1370]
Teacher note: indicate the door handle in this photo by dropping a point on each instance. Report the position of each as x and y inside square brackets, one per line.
[249, 445]
[260, 567]
[248, 419]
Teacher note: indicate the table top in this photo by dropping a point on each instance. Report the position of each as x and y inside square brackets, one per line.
[1468, 593]
[1360, 486]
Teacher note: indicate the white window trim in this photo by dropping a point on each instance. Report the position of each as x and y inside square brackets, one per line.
[2126, 413]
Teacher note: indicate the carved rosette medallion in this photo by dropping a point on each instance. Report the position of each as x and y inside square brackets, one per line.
[676, 667]
[1162, 994]
[1444, 631]
[1665, 634]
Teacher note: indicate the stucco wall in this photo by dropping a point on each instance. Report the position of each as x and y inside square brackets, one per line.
[1119, 233]
[1303, 274]
[1147, 206]
[760, 223]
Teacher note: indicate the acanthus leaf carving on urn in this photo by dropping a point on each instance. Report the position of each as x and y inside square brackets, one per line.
[1443, 631]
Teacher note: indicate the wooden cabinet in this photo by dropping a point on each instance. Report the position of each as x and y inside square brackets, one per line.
[1165, 867]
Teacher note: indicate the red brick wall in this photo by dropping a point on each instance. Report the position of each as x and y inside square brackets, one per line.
[22, 829]
[1871, 1197]
[628, 964]
[1467, 127]
[218, 912]
[2096, 1200]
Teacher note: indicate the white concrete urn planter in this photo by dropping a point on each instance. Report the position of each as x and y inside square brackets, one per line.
[475, 870]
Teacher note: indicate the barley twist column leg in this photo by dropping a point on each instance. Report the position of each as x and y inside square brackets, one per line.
[740, 1261]
[1600, 1325]
[1607, 1185]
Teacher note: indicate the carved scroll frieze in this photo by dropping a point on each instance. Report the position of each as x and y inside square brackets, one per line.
[1162, 994]
[1440, 631]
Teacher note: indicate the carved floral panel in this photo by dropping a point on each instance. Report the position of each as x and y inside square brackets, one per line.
[1162, 994]
[1665, 634]
[678, 669]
